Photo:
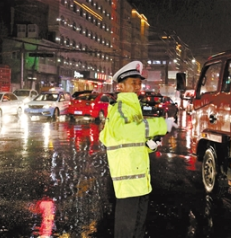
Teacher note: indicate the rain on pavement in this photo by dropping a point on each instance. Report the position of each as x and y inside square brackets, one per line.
[55, 183]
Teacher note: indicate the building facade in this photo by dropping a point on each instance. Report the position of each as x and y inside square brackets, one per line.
[168, 55]
[77, 45]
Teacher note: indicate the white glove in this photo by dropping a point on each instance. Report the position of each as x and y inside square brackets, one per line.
[170, 123]
[153, 144]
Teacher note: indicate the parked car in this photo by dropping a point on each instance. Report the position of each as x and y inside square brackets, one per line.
[10, 104]
[156, 105]
[26, 95]
[94, 105]
[51, 104]
[77, 93]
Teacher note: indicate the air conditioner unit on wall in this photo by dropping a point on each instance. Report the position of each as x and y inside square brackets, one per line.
[21, 30]
[32, 30]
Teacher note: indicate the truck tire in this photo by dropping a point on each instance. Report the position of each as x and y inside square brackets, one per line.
[209, 171]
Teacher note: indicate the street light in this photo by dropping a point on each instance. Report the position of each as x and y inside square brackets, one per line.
[193, 80]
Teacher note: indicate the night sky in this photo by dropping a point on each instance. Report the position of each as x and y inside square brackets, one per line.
[203, 25]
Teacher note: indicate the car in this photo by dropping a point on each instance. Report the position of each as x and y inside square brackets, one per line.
[76, 93]
[94, 105]
[10, 104]
[50, 104]
[156, 105]
[26, 95]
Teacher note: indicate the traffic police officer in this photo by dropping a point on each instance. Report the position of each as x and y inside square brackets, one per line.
[125, 136]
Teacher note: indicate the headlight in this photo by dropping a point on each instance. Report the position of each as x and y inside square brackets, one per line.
[47, 106]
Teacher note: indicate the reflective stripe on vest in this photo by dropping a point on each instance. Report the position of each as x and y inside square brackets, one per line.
[125, 145]
[121, 112]
[128, 177]
[146, 128]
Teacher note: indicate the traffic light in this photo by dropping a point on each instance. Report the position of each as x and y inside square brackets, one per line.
[40, 54]
[180, 81]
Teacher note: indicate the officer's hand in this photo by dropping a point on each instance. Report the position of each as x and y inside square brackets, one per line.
[153, 145]
[170, 123]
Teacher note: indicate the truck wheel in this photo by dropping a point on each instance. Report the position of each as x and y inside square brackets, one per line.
[209, 171]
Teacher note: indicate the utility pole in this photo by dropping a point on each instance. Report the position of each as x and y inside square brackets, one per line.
[22, 66]
[166, 71]
[167, 58]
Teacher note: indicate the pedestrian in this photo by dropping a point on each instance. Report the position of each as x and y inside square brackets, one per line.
[127, 135]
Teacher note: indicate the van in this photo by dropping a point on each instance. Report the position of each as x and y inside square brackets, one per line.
[211, 121]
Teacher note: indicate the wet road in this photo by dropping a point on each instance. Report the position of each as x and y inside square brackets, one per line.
[55, 183]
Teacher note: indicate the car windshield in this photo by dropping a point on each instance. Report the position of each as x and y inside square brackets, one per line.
[47, 97]
[22, 93]
[151, 99]
[90, 97]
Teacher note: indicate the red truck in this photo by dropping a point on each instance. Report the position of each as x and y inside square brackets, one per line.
[211, 121]
[5, 78]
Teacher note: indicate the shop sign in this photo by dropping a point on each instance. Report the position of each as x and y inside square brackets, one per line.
[78, 74]
[100, 76]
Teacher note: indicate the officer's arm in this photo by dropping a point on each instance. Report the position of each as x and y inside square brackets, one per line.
[140, 132]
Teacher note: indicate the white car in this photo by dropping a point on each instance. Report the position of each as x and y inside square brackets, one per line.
[48, 104]
[10, 104]
[26, 95]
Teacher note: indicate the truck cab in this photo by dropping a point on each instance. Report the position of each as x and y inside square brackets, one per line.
[211, 121]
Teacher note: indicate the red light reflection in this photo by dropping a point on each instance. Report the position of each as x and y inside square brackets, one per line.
[191, 163]
[85, 134]
[46, 208]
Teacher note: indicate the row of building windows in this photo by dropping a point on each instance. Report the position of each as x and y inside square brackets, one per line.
[83, 10]
[70, 63]
[99, 55]
[66, 61]
[84, 66]
[65, 41]
[67, 22]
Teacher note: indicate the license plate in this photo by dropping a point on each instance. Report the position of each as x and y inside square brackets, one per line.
[78, 112]
[34, 111]
[147, 108]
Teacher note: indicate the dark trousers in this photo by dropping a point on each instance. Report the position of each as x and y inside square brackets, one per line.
[130, 217]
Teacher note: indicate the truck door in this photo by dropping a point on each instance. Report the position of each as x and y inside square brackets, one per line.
[212, 104]
[224, 99]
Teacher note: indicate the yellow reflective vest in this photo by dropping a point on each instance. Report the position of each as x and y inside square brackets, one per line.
[124, 135]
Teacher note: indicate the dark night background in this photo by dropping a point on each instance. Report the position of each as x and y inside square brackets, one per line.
[204, 25]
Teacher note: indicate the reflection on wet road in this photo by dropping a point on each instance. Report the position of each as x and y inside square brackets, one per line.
[55, 183]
